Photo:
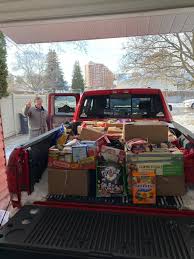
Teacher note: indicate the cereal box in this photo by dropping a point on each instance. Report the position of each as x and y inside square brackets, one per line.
[110, 180]
[144, 187]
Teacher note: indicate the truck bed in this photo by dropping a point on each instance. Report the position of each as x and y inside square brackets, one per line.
[43, 232]
[41, 194]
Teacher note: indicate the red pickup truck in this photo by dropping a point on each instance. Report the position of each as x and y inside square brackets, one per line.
[90, 227]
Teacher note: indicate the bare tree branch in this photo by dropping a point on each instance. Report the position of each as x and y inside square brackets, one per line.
[162, 55]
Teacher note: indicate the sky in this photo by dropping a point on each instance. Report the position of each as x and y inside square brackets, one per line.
[105, 51]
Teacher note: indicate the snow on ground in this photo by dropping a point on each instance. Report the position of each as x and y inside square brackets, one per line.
[184, 116]
[188, 199]
[185, 120]
[40, 191]
[12, 142]
[175, 105]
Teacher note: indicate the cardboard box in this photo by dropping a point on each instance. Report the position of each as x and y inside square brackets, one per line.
[163, 163]
[103, 140]
[112, 154]
[144, 188]
[170, 185]
[79, 129]
[155, 132]
[165, 185]
[90, 134]
[68, 182]
[85, 164]
[117, 125]
[89, 123]
[79, 152]
[114, 130]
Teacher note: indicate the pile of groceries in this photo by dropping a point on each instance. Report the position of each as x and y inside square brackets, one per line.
[116, 159]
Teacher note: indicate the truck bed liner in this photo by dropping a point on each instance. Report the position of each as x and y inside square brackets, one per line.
[166, 202]
[74, 233]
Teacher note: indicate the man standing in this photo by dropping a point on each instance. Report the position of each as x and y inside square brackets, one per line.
[37, 117]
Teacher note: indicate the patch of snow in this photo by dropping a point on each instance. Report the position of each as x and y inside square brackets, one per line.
[4, 217]
[186, 120]
[40, 191]
[188, 200]
[177, 105]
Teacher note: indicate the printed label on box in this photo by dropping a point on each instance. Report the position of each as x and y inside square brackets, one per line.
[144, 188]
[88, 163]
[110, 181]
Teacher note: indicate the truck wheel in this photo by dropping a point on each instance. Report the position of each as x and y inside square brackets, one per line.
[192, 106]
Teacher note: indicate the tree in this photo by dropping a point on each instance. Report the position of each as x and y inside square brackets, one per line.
[3, 67]
[53, 74]
[170, 55]
[77, 79]
[10, 82]
[30, 67]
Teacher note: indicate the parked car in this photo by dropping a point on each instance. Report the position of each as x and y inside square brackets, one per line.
[189, 103]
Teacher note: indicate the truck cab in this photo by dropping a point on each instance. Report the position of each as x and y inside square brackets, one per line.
[131, 104]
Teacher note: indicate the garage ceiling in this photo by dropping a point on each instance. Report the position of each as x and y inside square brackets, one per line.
[59, 20]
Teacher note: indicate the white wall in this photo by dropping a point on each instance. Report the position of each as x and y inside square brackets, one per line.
[10, 107]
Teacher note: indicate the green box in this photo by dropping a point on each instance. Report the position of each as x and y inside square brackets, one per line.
[163, 163]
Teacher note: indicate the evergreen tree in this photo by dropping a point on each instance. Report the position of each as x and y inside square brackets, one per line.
[53, 74]
[3, 67]
[77, 80]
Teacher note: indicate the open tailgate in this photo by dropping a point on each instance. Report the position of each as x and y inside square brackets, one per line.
[43, 232]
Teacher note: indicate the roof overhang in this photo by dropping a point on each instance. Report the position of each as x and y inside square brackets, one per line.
[52, 21]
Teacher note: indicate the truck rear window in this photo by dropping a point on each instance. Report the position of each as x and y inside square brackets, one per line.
[122, 106]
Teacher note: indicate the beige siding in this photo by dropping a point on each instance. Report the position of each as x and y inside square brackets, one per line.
[11, 106]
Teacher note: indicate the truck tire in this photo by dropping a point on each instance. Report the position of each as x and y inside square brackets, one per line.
[192, 106]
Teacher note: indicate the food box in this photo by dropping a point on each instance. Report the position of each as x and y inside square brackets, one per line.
[144, 188]
[117, 125]
[103, 140]
[68, 182]
[86, 123]
[163, 163]
[110, 180]
[165, 185]
[113, 130]
[79, 152]
[155, 132]
[87, 163]
[91, 147]
[112, 154]
[90, 134]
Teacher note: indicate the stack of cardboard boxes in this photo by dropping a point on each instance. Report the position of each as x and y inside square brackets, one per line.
[120, 171]
[167, 163]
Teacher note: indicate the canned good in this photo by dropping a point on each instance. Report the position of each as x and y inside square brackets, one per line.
[68, 158]
[54, 153]
[62, 156]
[67, 154]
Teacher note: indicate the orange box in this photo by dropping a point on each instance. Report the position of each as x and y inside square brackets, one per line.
[144, 187]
